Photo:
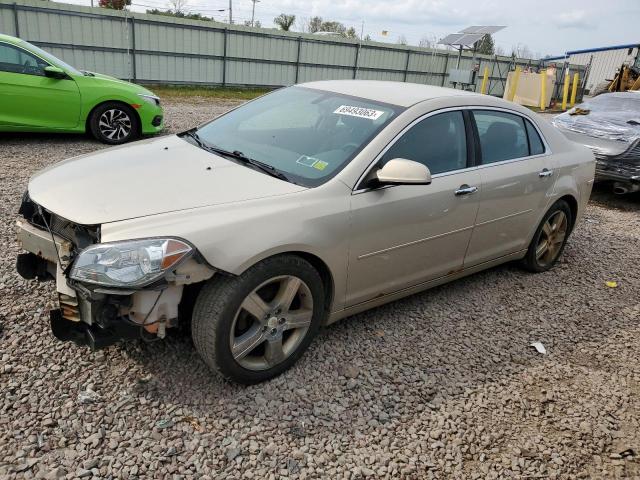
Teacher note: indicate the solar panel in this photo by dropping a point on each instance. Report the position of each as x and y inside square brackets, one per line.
[484, 29]
[464, 39]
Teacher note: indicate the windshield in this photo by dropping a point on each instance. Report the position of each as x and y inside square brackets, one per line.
[309, 135]
[51, 59]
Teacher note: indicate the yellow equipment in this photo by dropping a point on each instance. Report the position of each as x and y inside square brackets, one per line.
[627, 78]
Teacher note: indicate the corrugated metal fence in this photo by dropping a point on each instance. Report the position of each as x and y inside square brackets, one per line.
[166, 50]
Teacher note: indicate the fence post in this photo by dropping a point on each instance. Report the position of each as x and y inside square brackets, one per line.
[406, 66]
[355, 64]
[574, 89]
[224, 58]
[16, 20]
[133, 48]
[485, 77]
[543, 89]
[298, 59]
[444, 72]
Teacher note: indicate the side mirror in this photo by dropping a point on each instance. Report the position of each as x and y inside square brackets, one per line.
[400, 171]
[54, 72]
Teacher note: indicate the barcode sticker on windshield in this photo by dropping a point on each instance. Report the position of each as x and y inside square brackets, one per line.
[359, 112]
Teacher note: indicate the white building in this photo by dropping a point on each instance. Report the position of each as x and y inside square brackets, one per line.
[605, 61]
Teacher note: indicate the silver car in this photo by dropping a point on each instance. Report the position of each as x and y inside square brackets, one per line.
[609, 125]
[300, 208]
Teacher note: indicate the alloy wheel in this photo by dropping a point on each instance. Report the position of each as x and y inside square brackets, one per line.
[551, 238]
[114, 124]
[271, 322]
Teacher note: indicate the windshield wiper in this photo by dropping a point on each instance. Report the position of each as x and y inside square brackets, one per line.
[196, 138]
[238, 155]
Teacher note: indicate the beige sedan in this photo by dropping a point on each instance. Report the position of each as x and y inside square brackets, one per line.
[295, 210]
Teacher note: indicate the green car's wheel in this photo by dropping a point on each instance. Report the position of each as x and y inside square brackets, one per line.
[114, 123]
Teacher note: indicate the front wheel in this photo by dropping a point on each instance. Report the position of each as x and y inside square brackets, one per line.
[550, 238]
[114, 123]
[255, 326]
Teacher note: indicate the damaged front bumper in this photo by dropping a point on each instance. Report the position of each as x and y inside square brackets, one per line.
[100, 316]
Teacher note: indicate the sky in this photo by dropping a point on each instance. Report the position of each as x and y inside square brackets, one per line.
[544, 27]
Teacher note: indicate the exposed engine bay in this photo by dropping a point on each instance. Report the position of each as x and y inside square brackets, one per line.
[92, 314]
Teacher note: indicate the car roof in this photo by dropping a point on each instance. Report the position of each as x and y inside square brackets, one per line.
[396, 93]
[9, 39]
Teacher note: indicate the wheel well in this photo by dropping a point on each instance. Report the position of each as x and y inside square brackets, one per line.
[325, 275]
[573, 205]
[87, 127]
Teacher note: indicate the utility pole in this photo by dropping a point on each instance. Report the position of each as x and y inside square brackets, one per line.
[362, 31]
[253, 11]
[230, 12]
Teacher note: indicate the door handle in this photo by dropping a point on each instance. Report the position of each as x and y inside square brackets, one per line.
[545, 173]
[466, 190]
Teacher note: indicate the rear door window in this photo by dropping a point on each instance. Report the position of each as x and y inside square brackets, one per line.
[503, 136]
[536, 147]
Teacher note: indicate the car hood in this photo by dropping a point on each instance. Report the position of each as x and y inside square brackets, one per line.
[149, 177]
[106, 78]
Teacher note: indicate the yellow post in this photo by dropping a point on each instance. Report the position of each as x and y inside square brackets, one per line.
[514, 84]
[543, 89]
[485, 78]
[565, 90]
[574, 89]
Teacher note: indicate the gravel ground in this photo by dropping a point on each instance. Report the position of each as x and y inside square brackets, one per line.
[443, 384]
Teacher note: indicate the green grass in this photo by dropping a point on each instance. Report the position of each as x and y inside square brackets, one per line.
[210, 92]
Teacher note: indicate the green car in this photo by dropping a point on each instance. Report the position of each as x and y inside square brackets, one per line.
[41, 93]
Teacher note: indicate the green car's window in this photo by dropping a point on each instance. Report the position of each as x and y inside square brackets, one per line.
[16, 60]
[50, 58]
[307, 134]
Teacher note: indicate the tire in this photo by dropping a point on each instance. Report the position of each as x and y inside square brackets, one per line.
[221, 317]
[114, 123]
[554, 231]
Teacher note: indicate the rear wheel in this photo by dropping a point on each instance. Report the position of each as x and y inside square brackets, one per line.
[255, 326]
[550, 238]
[114, 123]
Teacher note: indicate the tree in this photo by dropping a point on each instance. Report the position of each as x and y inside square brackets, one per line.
[425, 42]
[314, 24]
[317, 24]
[284, 21]
[402, 40]
[333, 26]
[485, 45]
[170, 13]
[521, 51]
[178, 6]
[257, 24]
[114, 4]
[499, 51]
[351, 33]
[367, 38]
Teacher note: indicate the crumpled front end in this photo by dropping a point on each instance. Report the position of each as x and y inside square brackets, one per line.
[87, 312]
[623, 169]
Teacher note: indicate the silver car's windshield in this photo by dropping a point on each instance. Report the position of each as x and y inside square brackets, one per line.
[307, 134]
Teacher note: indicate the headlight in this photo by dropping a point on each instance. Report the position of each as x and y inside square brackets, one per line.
[128, 264]
[152, 99]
